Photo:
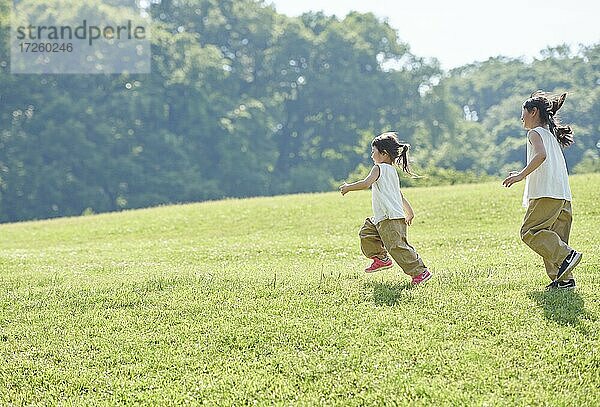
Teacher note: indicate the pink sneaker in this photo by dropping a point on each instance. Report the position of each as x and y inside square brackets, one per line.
[421, 278]
[379, 265]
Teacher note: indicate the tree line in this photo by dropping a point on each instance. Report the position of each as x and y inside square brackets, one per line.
[243, 101]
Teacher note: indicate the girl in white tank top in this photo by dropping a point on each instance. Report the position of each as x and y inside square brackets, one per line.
[547, 195]
[386, 231]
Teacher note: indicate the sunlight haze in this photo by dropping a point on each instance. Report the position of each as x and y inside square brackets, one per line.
[464, 31]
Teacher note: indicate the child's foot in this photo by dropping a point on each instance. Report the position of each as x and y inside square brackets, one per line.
[379, 264]
[562, 285]
[421, 278]
[569, 264]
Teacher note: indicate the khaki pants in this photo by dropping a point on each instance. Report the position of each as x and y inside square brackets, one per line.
[389, 235]
[546, 228]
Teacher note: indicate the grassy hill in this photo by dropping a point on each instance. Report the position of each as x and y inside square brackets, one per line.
[264, 300]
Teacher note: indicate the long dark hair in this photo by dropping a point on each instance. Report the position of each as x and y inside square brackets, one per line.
[398, 151]
[548, 106]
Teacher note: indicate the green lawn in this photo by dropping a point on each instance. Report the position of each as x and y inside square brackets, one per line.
[264, 301]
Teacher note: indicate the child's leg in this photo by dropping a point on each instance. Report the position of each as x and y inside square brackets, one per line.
[562, 227]
[536, 231]
[551, 269]
[393, 234]
[370, 241]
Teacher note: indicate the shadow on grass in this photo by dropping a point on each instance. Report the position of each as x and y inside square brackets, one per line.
[563, 307]
[388, 293]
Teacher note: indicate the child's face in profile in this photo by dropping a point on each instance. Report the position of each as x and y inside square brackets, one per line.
[377, 156]
[528, 118]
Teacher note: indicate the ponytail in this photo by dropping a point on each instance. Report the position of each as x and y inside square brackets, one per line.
[548, 106]
[402, 159]
[564, 134]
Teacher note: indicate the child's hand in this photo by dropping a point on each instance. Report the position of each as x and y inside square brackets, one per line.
[409, 218]
[513, 177]
[344, 188]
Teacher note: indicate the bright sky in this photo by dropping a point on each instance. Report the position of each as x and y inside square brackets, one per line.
[459, 32]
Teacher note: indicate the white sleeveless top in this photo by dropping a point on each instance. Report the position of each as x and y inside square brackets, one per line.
[386, 195]
[550, 179]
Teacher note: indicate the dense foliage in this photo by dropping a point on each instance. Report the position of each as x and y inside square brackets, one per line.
[244, 101]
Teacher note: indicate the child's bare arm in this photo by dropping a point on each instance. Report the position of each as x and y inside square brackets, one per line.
[410, 214]
[538, 158]
[364, 184]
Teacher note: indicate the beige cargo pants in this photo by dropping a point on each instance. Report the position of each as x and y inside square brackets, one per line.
[389, 236]
[546, 228]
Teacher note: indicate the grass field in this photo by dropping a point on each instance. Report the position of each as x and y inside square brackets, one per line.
[264, 301]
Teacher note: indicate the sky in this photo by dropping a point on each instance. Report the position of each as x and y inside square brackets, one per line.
[458, 32]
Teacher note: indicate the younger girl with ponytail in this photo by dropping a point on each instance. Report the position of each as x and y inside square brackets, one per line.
[547, 194]
[385, 231]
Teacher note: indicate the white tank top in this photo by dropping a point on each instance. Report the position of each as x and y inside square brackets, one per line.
[386, 195]
[550, 179]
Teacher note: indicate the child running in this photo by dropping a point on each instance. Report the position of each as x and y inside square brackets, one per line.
[385, 231]
[547, 196]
